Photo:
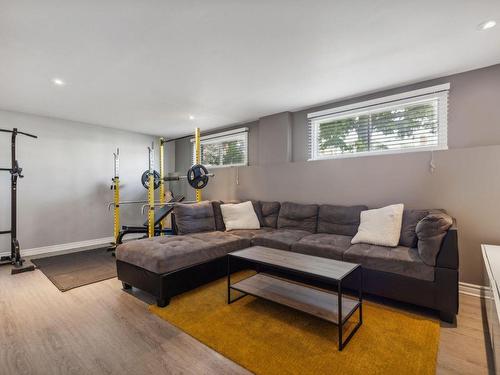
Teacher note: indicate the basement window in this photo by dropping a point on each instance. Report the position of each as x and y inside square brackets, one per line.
[225, 149]
[408, 122]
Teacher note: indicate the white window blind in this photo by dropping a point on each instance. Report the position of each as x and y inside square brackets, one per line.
[225, 149]
[414, 121]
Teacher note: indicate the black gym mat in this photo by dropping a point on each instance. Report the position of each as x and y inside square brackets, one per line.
[69, 271]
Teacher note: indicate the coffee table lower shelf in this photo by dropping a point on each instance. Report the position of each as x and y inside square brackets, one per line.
[317, 302]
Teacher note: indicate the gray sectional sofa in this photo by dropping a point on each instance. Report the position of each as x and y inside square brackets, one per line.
[422, 269]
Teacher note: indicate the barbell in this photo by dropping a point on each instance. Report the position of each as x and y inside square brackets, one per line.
[197, 177]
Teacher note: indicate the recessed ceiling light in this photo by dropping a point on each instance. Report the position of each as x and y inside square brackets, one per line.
[487, 25]
[58, 82]
[191, 117]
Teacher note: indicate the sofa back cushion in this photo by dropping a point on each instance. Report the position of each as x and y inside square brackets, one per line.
[411, 217]
[298, 216]
[258, 210]
[194, 218]
[431, 231]
[267, 213]
[343, 220]
[219, 220]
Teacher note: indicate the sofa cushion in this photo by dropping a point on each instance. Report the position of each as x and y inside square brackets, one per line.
[219, 220]
[250, 233]
[411, 217]
[400, 260]
[342, 220]
[298, 216]
[279, 238]
[431, 231]
[194, 218]
[381, 226]
[170, 253]
[240, 216]
[268, 214]
[227, 241]
[323, 245]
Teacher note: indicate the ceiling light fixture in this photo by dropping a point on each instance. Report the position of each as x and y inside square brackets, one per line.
[487, 25]
[191, 117]
[58, 82]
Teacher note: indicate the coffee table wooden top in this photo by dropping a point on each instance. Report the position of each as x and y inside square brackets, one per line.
[328, 268]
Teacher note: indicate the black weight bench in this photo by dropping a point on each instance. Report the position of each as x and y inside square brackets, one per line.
[160, 214]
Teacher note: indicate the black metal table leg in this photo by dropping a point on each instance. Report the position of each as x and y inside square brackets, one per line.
[342, 344]
[341, 325]
[228, 279]
[229, 301]
[360, 295]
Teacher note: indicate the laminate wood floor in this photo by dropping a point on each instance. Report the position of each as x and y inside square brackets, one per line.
[100, 329]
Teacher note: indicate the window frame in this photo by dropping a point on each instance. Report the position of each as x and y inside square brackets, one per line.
[439, 92]
[226, 136]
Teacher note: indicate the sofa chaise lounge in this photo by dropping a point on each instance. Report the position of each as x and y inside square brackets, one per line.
[168, 265]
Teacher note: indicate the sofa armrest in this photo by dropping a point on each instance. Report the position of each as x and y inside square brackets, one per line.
[448, 254]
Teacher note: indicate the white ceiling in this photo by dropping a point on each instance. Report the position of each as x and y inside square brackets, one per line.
[146, 65]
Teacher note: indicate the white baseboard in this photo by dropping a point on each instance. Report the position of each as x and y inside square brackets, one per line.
[480, 291]
[62, 247]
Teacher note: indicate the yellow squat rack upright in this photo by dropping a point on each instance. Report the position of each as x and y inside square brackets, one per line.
[116, 196]
[151, 192]
[162, 179]
[197, 145]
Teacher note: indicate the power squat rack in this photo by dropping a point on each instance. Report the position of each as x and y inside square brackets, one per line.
[15, 172]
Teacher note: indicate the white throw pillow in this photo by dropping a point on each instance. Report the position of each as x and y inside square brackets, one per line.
[239, 216]
[381, 226]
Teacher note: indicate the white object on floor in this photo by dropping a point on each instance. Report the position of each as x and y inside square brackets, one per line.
[491, 258]
[381, 226]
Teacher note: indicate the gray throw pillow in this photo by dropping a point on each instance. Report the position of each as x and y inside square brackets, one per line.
[194, 218]
[411, 218]
[431, 231]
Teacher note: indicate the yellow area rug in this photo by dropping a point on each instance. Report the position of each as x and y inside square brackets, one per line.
[267, 338]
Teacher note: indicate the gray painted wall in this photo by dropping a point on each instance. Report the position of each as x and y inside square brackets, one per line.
[183, 161]
[275, 139]
[68, 173]
[466, 181]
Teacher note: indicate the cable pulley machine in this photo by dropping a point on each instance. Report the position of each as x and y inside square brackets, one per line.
[15, 171]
